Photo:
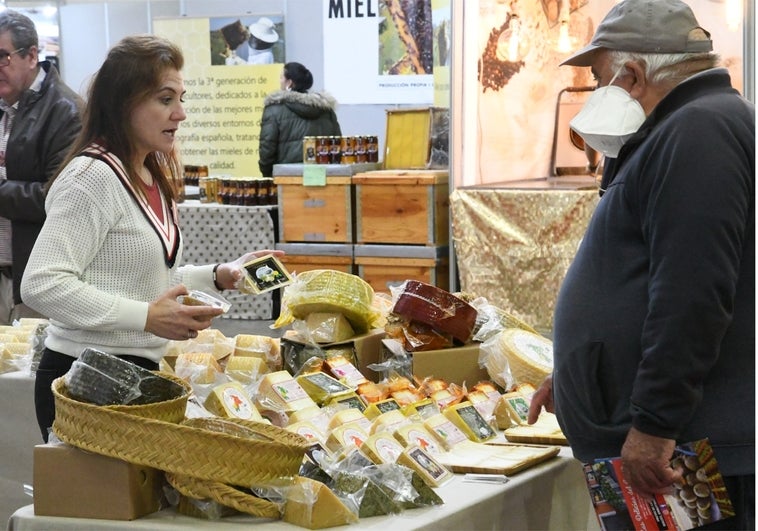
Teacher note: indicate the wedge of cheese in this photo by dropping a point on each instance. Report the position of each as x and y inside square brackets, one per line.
[346, 436]
[197, 367]
[425, 465]
[347, 416]
[280, 390]
[416, 434]
[321, 387]
[245, 369]
[382, 448]
[313, 505]
[388, 422]
[466, 417]
[447, 433]
[375, 409]
[230, 400]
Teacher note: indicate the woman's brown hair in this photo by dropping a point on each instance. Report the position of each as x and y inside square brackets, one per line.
[131, 72]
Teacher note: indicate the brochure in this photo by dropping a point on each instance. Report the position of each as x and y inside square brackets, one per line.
[699, 498]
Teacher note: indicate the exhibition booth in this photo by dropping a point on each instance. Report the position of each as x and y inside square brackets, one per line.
[475, 203]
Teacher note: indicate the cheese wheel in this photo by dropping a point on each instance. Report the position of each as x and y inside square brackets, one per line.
[437, 308]
[529, 357]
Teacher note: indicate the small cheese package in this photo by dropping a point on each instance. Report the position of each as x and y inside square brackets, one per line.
[230, 400]
[466, 417]
[416, 434]
[382, 448]
[202, 298]
[321, 387]
[263, 274]
[425, 465]
[279, 390]
[448, 434]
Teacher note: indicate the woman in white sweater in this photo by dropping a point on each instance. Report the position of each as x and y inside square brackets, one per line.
[105, 266]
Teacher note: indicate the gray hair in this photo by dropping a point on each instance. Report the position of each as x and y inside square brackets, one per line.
[21, 28]
[670, 68]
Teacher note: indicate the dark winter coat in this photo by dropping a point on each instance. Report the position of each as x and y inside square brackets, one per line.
[45, 126]
[288, 116]
[655, 320]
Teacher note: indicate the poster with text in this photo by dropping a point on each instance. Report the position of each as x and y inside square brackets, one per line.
[379, 51]
[227, 74]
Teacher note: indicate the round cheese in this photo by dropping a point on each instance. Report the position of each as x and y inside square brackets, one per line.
[529, 356]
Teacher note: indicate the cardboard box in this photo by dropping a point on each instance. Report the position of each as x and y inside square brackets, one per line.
[457, 365]
[388, 266]
[402, 207]
[366, 351]
[78, 484]
[302, 257]
[417, 138]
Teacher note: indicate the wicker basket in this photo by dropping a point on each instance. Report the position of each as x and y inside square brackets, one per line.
[225, 495]
[191, 449]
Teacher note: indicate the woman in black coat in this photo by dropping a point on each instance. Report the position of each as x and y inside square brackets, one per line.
[291, 114]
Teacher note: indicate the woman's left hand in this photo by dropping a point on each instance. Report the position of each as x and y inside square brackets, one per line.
[229, 275]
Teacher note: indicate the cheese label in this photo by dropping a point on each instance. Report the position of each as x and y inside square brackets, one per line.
[346, 372]
[475, 422]
[435, 471]
[449, 432]
[237, 403]
[329, 385]
[388, 449]
[421, 439]
[290, 391]
[350, 401]
[353, 437]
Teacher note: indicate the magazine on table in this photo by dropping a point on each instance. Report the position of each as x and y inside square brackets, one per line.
[699, 498]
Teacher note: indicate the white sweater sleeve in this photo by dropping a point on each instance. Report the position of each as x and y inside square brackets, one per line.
[95, 264]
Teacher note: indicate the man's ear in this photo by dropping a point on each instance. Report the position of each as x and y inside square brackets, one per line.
[639, 82]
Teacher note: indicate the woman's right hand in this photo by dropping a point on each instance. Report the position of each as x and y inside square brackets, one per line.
[168, 318]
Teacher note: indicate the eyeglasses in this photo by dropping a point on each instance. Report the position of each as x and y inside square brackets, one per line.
[5, 57]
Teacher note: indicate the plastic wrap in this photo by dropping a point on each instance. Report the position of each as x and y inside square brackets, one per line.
[330, 291]
[103, 379]
[441, 310]
[202, 298]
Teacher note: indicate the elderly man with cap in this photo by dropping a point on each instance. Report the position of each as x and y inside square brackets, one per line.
[654, 329]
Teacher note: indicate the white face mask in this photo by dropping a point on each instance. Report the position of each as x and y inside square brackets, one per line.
[609, 117]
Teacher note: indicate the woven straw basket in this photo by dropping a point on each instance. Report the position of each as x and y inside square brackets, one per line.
[256, 454]
[224, 494]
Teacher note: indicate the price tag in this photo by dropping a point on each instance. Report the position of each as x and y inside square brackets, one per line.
[314, 175]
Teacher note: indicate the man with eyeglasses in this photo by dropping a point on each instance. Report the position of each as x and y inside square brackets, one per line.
[39, 119]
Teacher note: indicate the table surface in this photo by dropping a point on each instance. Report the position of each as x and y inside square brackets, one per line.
[221, 233]
[551, 495]
[20, 434]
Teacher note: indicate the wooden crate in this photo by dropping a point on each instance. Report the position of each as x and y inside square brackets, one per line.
[317, 213]
[402, 207]
[302, 257]
[386, 266]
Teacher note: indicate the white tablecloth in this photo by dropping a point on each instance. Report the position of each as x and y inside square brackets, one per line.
[221, 233]
[20, 434]
[552, 495]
